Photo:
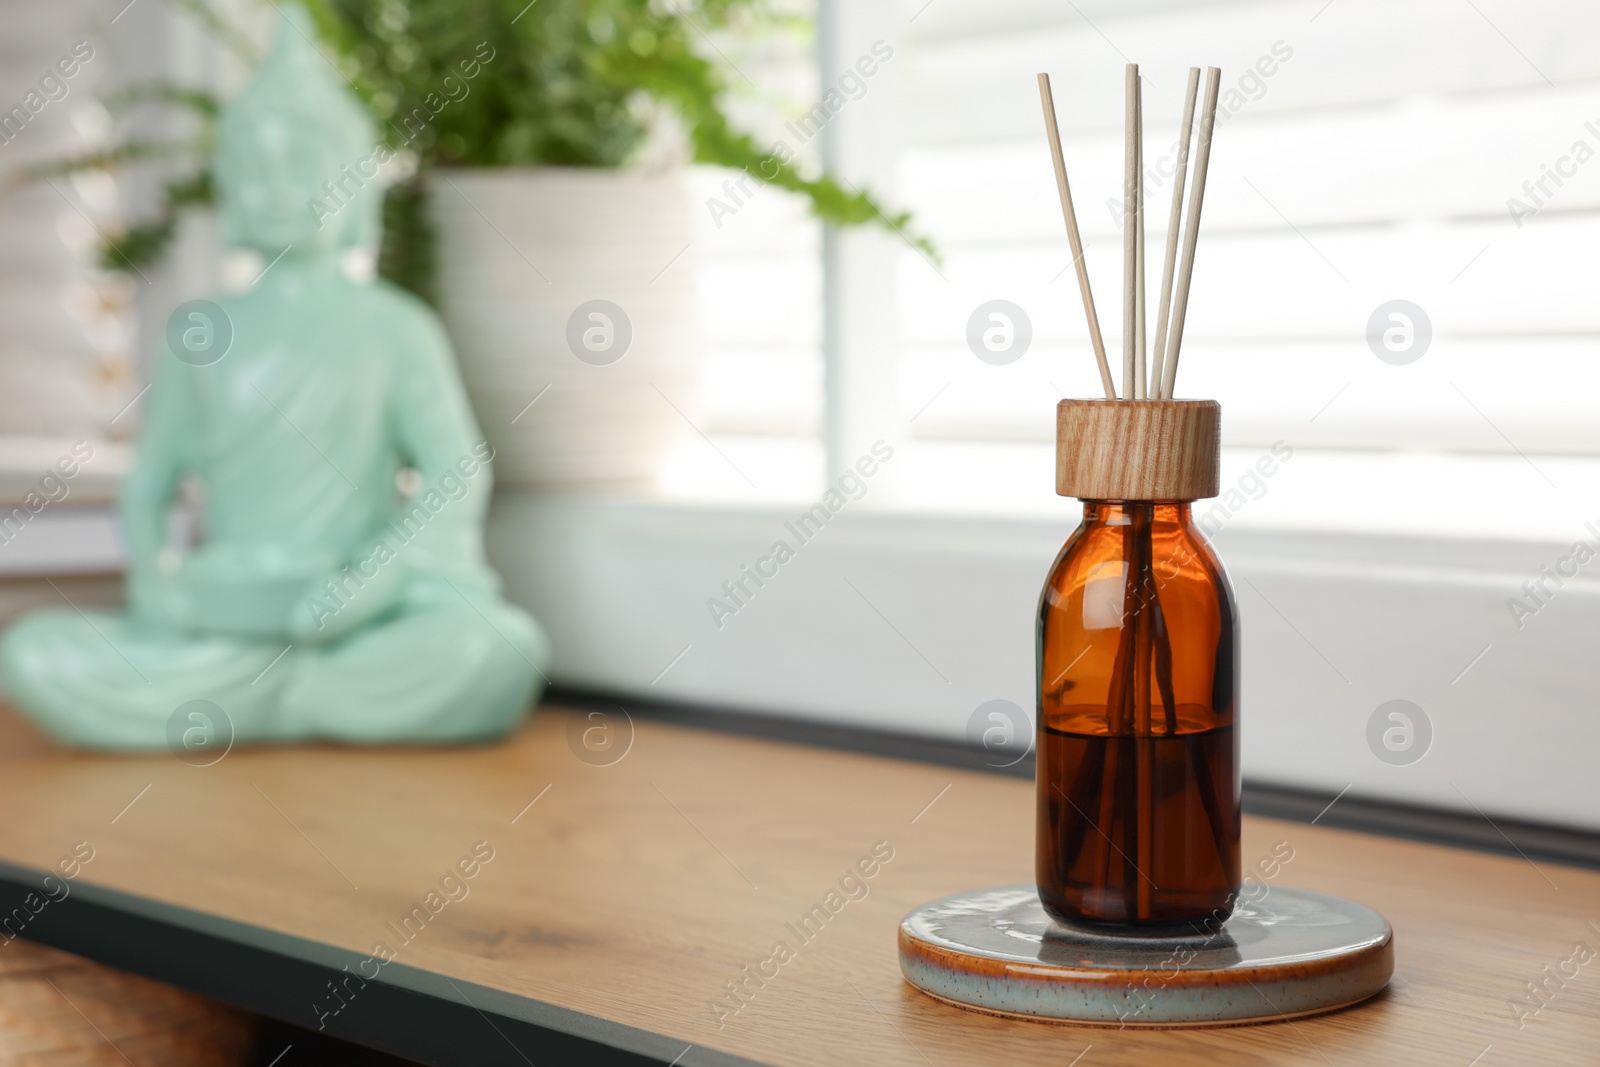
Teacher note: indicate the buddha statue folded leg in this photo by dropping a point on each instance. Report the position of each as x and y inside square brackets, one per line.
[460, 672]
[101, 680]
[435, 672]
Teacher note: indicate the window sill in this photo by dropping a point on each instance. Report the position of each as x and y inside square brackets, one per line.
[908, 623]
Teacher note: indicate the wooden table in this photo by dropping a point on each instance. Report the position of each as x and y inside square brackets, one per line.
[621, 900]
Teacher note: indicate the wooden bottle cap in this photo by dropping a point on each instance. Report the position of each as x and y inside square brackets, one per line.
[1138, 449]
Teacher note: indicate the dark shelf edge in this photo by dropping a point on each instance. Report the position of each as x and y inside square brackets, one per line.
[1505, 835]
[409, 1013]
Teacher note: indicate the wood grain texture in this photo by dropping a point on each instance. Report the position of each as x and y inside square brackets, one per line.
[1138, 450]
[636, 891]
[57, 1010]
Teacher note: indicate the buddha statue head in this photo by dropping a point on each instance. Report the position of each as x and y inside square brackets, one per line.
[296, 160]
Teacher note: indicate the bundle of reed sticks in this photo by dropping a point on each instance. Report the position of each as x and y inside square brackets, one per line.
[1148, 448]
[1144, 379]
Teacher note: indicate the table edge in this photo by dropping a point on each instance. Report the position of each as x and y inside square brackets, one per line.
[417, 1015]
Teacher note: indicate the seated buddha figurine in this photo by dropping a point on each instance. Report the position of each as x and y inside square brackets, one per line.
[337, 588]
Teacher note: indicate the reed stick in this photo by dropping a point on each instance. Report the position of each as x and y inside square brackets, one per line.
[1087, 790]
[1142, 849]
[1163, 654]
[1130, 169]
[1073, 238]
[1115, 781]
[1191, 231]
[1140, 391]
[1174, 221]
[1206, 786]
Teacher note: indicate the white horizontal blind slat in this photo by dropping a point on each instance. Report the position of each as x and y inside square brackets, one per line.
[1371, 158]
[977, 85]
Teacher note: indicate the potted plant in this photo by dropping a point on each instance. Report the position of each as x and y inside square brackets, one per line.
[556, 265]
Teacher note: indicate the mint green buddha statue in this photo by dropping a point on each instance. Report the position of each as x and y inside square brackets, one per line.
[321, 601]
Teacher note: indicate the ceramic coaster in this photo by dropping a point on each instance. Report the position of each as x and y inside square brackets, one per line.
[1294, 952]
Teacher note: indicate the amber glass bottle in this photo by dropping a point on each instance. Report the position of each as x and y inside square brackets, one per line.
[1138, 757]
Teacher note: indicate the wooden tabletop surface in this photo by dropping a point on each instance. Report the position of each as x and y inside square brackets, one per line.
[637, 891]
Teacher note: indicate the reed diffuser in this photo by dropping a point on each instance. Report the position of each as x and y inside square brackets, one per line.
[1138, 769]
[1134, 918]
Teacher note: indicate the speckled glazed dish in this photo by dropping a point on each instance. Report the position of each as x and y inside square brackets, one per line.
[1293, 952]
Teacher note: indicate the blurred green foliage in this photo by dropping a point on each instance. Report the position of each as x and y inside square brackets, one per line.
[508, 83]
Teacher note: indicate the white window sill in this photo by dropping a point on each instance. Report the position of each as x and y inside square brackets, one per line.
[908, 623]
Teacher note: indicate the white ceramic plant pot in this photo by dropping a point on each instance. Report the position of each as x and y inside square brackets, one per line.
[521, 252]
